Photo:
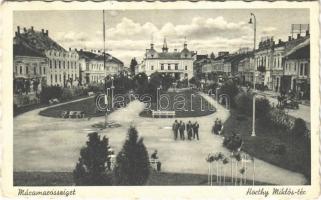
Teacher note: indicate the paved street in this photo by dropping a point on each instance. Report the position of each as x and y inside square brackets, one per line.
[51, 144]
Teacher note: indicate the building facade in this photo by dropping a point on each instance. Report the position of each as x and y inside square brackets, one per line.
[29, 70]
[177, 63]
[63, 68]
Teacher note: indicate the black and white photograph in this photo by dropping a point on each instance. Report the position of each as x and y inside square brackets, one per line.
[162, 97]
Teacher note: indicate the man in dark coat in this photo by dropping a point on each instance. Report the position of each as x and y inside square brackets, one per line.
[195, 130]
[181, 130]
[189, 130]
[175, 129]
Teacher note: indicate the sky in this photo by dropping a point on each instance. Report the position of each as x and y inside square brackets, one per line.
[130, 32]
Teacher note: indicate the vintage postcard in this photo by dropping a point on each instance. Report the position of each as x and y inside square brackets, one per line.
[179, 99]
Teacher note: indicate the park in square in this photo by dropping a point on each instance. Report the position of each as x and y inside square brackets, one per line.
[181, 117]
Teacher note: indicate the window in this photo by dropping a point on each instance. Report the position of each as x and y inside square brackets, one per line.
[20, 69]
[27, 70]
[68, 64]
[306, 69]
[169, 66]
[51, 79]
[44, 70]
[55, 63]
[59, 64]
[35, 69]
[40, 70]
[301, 69]
[162, 66]
[60, 78]
[176, 66]
[64, 64]
[55, 78]
[50, 64]
[185, 67]
[152, 67]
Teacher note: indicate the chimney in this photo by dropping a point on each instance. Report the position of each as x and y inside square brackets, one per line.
[75, 49]
[307, 33]
[298, 36]
[18, 29]
[69, 49]
[16, 34]
[175, 50]
[42, 31]
[280, 41]
[24, 30]
[47, 33]
[289, 38]
[32, 28]
[80, 50]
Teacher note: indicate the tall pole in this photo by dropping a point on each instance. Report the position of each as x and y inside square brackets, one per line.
[104, 56]
[254, 76]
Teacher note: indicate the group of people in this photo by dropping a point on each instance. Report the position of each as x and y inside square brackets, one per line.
[218, 127]
[191, 129]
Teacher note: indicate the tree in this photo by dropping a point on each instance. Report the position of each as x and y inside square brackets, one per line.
[212, 56]
[299, 128]
[91, 168]
[132, 162]
[230, 88]
[262, 109]
[133, 64]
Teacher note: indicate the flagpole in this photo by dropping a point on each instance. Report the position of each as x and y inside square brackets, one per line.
[104, 57]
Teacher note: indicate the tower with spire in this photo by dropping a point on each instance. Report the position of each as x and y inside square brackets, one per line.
[165, 48]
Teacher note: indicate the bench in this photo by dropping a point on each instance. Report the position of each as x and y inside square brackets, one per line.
[155, 164]
[53, 101]
[163, 113]
[90, 94]
[73, 114]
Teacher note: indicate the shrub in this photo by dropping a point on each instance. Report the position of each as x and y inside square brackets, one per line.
[233, 142]
[280, 119]
[299, 128]
[132, 162]
[230, 88]
[262, 108]
[244, 103]
[91, 168]
[50, 92]
[67, 94]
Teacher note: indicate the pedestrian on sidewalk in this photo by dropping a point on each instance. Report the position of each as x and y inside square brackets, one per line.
[195, 130]
[181, 130]
[175, 129]
[189, 130]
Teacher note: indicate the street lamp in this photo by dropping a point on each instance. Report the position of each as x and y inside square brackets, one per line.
[254, 81]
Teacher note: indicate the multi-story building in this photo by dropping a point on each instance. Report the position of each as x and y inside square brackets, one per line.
[277, 65]
[63, 65]
[93, 69]
[177, 63]
[297, 67]
[246, 69]
[29, 69]
[263, 62]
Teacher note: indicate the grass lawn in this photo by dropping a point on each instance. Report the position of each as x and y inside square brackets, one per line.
[156, 178]
[194, 105]
[86, 105]
[295, 157]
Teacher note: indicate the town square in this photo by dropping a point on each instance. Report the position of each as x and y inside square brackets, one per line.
[178, 97]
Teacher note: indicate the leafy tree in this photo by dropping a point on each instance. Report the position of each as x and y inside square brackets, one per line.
[230, 88]
[91, 168]
[132, 162]
[244, 103]
[299, 129]
[262, 109]
[212, 56]
[132, 66]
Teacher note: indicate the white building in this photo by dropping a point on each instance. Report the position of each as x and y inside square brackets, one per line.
[63, 67]
[177, 63]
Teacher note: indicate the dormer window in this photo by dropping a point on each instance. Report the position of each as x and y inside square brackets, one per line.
[185, 55]
[152, 55]
[162, 66]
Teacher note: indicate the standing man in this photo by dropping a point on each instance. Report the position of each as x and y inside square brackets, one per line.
[195, 130]
[181, 130]
[189, 130]
[175, 129]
